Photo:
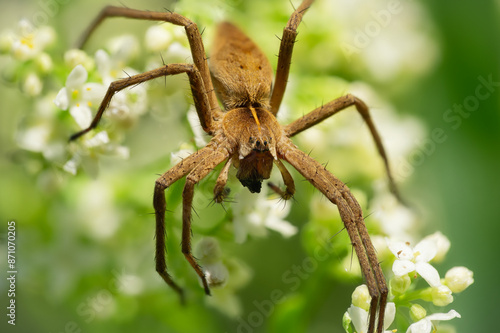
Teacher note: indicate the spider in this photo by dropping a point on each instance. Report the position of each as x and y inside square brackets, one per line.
[246, 135]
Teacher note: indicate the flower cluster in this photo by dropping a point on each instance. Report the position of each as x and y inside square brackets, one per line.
[409, 265]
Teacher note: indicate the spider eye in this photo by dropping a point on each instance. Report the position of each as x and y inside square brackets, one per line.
[250, 139]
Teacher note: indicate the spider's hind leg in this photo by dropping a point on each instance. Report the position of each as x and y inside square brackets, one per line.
[201, 170]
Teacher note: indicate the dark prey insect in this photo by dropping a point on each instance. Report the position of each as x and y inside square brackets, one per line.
[246, 135]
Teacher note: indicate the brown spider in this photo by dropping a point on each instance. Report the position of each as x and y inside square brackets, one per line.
[247, 135]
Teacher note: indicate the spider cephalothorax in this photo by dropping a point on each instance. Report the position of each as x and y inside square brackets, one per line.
[254, 132]
[247, 135]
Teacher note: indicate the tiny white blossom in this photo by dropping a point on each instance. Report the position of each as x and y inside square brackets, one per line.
[29, 42]
[178, 53]
[459, 278]
[253, 213]
[359, 317]
[159, 37]
[128, 104]
[78, 96]
[425, 325]
[415, 259]
[75, 57]
[124, 48]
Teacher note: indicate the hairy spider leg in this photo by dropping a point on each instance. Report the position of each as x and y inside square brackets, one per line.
[327, 110]
[192, 33]
[285, 55]
[180, 170]
[203, 168]
[197, 88]
[350, 212]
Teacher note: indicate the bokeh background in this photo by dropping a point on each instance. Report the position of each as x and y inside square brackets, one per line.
[67, 280]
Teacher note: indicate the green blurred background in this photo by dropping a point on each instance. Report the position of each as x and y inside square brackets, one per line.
[458, 184]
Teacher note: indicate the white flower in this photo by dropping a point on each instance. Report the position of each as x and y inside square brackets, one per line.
[416, 259]
[29, 42]
[159, 37]
[127, 104]
[425, 325]
[75, 57]
[78, 96]
[178, 53]
[124, 48]
[253, 213]
[459, 278]
[359, 317]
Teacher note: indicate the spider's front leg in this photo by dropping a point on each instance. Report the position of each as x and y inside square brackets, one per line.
[192, 33]
[285, 55]
[344, 102]
[166, 180]
[198, 173]
[197, 88]
[351, 214]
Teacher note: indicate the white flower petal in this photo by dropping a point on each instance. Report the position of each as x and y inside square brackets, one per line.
[429, 273]
[103, 63]
[444, 316]
[61, 100]
[425, 250]
[390, 314]
[400, 249]
[421, 326]
[97, 140]
[285, 228]
[359, 318]
[402, 267]
[93, 92]
[81, 114]
[76, 78]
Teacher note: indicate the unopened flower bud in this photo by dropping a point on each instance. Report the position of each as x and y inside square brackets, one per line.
[441, 296]
[442, 243]
[32, 85]
[400, 284]
[361, 297]
[459, 278]
[208, 251]
[417, 312]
